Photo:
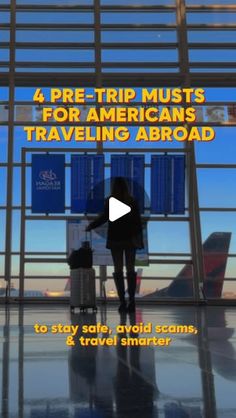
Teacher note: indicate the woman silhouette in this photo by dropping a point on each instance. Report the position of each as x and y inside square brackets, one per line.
[124, 237]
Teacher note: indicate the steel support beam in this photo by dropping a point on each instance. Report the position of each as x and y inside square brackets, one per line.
[195, 226]
[10, 147]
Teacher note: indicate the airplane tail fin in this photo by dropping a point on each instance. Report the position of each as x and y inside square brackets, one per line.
[215, 254]
[138, 280]
[67, 286]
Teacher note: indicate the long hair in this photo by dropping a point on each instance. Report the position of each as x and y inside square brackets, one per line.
[120, 189]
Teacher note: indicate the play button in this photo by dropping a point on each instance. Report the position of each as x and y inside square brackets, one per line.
[117, 209]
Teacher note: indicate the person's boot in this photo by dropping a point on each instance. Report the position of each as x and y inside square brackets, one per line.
[131, 279]
[120, 287]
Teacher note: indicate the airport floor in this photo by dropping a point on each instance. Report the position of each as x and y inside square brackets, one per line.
[41, 376]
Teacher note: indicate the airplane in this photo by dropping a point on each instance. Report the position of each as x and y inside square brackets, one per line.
[32, 293]
[215, 254]
[15, 292]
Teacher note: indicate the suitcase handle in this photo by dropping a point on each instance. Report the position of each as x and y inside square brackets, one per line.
[88, 234]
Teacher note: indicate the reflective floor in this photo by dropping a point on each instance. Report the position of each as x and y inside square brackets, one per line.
[193, 377]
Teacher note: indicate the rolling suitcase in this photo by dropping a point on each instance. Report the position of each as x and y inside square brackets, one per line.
[83, 289]
[83, 293]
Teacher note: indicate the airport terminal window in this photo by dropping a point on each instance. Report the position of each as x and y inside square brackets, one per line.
[141, 44]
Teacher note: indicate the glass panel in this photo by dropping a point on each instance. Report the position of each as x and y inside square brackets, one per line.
[221, 150]
[3, 226]
[215, 70]
[16, 223]
[3, 143]
[42, 236]
[17, 186]
[4, 17]
[142, 55]
[141, 70]
[177, 233]
[216, 187]
[221, 222]
[211, 36]
[3, 181]
[4, 113]
[208, 2]
[220, 94]
[139, 36]
[208, 55]
[2, 268]
[54, 36]
[27, 93]
[46, 287]
[56, 2]
[211, 18]
[231, 269]
[55, 17]
[138, 18]
[137, 2]
[4, 55]
[4, 35]
[48, 55]
[53, 70]
[15, 266]
[47, 270]
[4, 93]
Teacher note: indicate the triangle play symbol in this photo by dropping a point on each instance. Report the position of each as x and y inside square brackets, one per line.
[117, 209]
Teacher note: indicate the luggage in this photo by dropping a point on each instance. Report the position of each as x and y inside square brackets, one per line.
[82, 257]
[82, 288]
[83, 292]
